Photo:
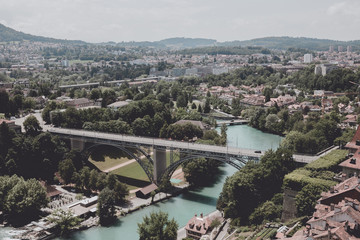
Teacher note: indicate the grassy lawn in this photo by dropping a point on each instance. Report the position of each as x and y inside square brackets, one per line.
[105, 157]
[108, 162]
[132, 175]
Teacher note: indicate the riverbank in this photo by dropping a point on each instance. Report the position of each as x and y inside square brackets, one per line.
[32, 230]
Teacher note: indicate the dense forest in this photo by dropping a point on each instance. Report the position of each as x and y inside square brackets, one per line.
[9, 35]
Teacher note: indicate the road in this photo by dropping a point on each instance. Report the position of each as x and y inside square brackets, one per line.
[157, 142]
[20, 121]
[161, 142]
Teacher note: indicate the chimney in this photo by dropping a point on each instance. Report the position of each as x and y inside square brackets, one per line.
[201, 215]
[332, 189]
[195, 215]
[329, 234]
[332, 207]
[343, 177]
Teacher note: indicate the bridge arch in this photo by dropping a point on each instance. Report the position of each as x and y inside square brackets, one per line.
[146, 167]
[237, 163]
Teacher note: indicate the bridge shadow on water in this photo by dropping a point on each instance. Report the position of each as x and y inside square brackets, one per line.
[199, 198]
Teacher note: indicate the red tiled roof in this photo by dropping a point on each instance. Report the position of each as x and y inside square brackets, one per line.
[352, 144]
[148, 189]
[352, 162]
[6, 121]
[348, 184]
[51, 191]
[198, 224]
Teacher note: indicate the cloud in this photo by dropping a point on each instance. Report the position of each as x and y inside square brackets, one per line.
[347, 8]
[126, 20]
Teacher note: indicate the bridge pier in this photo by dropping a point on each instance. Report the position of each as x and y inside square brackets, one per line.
[159, 163]
[77, 144]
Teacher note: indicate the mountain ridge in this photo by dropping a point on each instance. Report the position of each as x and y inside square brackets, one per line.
[10, 35]
[282, 43]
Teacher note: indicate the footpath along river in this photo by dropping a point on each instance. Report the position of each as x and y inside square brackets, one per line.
[184, 206]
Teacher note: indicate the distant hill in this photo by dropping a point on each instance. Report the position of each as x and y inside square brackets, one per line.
[9, 35]
[281, 43]
[173, 43]
[284, 43]
[188, 42]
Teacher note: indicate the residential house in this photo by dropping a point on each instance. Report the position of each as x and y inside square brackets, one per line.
[281, 101]
[197, 226]
[253, 100]
[11, 125]
[79, 103]
[337, 214]
[350, 121]
[203, 126]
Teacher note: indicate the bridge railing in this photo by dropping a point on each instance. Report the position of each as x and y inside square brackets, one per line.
[140, 140]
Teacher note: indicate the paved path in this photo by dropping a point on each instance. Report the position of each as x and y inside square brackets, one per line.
[309, 159]
[119, 166]
[123, 164]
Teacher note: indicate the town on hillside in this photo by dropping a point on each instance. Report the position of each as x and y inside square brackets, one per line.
[90, 133]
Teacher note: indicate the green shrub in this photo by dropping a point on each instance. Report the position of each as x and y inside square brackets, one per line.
[329, 161]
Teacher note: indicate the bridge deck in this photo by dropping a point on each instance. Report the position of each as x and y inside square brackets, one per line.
[145, 141]
[162, 143]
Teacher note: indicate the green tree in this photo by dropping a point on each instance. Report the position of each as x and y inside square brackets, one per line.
[106, 206]
[254, 184]
[157, 227]
[95, 94]
[181, 100]
[32, 126]
[272, 123]
[85, 177]
[22, 199]
[66, 170]
[267, 211]
[121, 191]
[207, 107]
[267, 93]
[94, 176]
[199, 172]
[306, 199]
[64, 221]
[4, 99]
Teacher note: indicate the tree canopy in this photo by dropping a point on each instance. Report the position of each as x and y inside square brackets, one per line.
[157, 226]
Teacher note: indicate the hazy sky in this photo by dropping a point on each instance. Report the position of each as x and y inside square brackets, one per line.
[151, 20]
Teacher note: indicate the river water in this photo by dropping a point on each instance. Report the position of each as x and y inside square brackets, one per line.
[184, 206]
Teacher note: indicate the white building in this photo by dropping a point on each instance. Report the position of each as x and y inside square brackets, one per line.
[308, 58]
[65, 63]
